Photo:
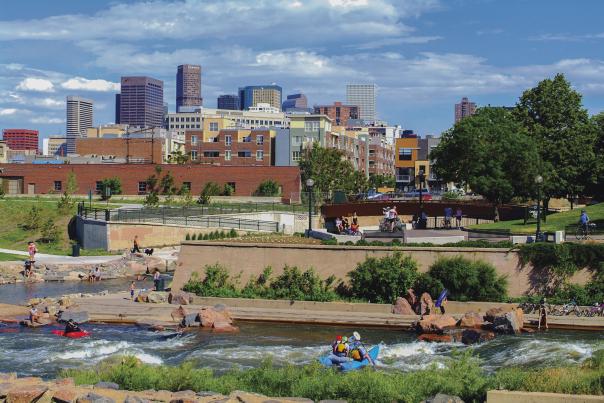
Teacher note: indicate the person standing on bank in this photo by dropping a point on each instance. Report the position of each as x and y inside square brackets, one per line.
[136, 247]
[32, 250]
[156, 277]
[543, 314]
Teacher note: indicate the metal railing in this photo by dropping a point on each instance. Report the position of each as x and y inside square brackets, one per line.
[403, 178]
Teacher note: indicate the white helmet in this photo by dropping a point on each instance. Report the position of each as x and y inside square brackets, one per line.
[356, 336]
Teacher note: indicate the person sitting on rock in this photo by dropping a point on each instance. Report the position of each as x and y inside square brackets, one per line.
[358, 352]
[33, 314]
[72, 327]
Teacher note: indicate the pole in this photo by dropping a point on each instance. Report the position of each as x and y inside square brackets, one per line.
[309, 210]
[537, 234]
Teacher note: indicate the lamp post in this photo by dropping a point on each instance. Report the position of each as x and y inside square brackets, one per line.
[538, 182]
[309, 184]
[422, 178]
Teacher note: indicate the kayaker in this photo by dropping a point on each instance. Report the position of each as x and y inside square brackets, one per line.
[339, 350]
[72, 327]
[358, 352]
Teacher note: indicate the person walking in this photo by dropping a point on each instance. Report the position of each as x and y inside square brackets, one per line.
[458, 216]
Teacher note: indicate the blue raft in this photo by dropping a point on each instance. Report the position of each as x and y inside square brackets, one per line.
[352, 365]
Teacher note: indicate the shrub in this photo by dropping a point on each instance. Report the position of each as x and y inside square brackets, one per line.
[32, 218]
[467, 279]
[50, 231]
[113, 184]
[199, 236]
[228, 190]
[188, 237]
[451, 195]
[209, 189]
[294, 284]
[268, 187]
[384, 279]
[232, 233]
[194, 237]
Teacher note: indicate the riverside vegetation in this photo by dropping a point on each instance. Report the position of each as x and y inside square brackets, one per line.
[461, 376]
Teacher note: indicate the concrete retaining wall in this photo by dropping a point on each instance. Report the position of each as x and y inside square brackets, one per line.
[505, 396]
[251, 259]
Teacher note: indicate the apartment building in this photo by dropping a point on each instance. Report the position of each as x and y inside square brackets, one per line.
[230, 147]
[381, 157]
[339, 113]
[464, 108]
[54, 145]
[407, 150]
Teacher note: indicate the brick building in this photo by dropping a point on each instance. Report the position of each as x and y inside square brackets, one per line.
[39, 179]
[20, 139]
[339, 113]
[381, 157]
[248, 147]
[135, 150]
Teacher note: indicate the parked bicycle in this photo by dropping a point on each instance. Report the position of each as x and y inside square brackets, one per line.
[584, 232]
[596, 310]
[529, 308]
[567, 309]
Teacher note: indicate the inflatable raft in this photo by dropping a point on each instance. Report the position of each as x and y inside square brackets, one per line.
[72, 335]
[352, 365]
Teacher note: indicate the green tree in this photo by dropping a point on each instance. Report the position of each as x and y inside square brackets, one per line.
[596, 189]
[32, 218]
[492, 153]
[113, 184]
[209, 189]
[66, 202]
[159, 183]
[268, 187]
[228, 190]
[50, 231]
[330, 170]
[380, 181]
[554, 116]
[179, 158]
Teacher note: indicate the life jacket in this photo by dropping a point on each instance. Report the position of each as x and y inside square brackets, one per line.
[356, 355]
[341, 348]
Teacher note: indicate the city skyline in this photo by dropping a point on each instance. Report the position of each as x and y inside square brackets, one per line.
[424, 55]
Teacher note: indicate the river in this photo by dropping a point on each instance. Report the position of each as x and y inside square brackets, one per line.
[39, 352]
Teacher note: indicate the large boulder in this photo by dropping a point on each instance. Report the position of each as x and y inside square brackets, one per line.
[154, 262]
[190, 320]
[178, 314]
[435, 338]
[425, 304]
[474, 336]
[78, 317]
[65, 394]
[65, 302]
[26, 393]
[492, 313]
[508, 322]
[402, 307]
[179, 298]
[133, 267]
[224, 327]
[156, 297]
[471, 320]
[411, 297]
[218, 314]
[435, 323]
[92, 397]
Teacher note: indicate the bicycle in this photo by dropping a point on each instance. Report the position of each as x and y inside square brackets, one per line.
[584, 232]
[529, 308]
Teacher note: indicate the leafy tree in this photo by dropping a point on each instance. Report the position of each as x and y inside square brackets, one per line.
[159, 184]
[113, 184]
[32, 218]
[209, 189]
[554, 116]
[268, 187]
[596, 189]
[330, 170]
[50, 231]
[66, 202]
[228, 190]
[379, 181]
[384, 279]
[492, 153]
[179, 158]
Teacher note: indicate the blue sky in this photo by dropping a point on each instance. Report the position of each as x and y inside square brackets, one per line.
[423, 54]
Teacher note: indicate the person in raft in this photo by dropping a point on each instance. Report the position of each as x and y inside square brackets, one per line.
[72, 327]
[358, 352]
[339, 350]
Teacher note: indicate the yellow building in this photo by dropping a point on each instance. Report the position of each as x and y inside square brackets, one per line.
[114, 130]
[407, 149]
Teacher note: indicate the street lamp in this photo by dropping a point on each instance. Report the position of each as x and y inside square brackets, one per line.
[538, 181]
[309, 184]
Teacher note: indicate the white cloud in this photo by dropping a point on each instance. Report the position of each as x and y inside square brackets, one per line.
[566, 37]
[36, 84]
[80, 83]
[8, 111]
[50, 103]
[46, 120]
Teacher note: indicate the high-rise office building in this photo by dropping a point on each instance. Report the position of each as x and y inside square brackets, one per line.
[252, 95]
[295, 102]
[188, 86]
[79, 119]
[363, 96]
[117, 109]
[228, 101]
[142, 102]
[20, 139]
[464, 108]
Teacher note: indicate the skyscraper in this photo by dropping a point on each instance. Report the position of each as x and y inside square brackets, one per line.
[295, 102]
[142, 102]
[464, 108]
[228, 101]
[79, 119]
[252, 95]
[117, 108]
[363, 96]
[188, 86]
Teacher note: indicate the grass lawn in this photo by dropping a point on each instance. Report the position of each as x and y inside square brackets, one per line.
[14, 236]
[555, 222]
[7, 257]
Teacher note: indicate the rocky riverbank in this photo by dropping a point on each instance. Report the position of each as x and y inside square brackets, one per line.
[127, 265]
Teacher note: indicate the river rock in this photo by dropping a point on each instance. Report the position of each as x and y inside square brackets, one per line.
[178, 314]
[442, 398]
[435, 338]
[411, 297]
[425, 304]
[107, 385]
[34, 301]
[154, 262]
[78, 317]
[190, 320]
[94, 398]
[402, 307]
[133, 267]
[436, 323]
[65, 395]
[471, 320]
[156, 297]
[136, 399]
[179, 298]
[224, 327]
[65, 302]
[473, 336]
[142, 297]
[207, 316]
[25, 393]
[508, 322]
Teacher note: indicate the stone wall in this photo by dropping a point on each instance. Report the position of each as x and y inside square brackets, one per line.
[251, 259]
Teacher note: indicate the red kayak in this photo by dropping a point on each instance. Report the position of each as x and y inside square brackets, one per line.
[73, 335]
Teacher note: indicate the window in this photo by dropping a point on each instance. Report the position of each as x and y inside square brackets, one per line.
[405, 154]
[228, 140]
[142, 187]
[212, 139]
[244, 154]
[193, 155]
[312, 126]
[99, 186]
[247, 139]
[211, 154]
[296, 140]
[58, 185]
[295, 155]
[260, 140]
[232, 185]
[193, 140]
[186, 185]
[259, 155]
[227, 155]
[213, 126]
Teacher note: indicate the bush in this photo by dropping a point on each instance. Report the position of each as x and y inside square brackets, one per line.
[32, 219]
[50, 231]
[451, 195]
[268, 187]
[113, 184]
[384, 279]
[194, 237]
[228, 190]
[188, 237]
[233, 233]
[465, 279]
[209, 189]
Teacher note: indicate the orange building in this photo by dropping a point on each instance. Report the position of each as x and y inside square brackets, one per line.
[406, 154]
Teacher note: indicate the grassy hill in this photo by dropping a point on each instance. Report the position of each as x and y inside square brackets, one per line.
[555, 222]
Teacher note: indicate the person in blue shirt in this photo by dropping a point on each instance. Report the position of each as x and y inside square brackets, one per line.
[584, 220]
[358, 352]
